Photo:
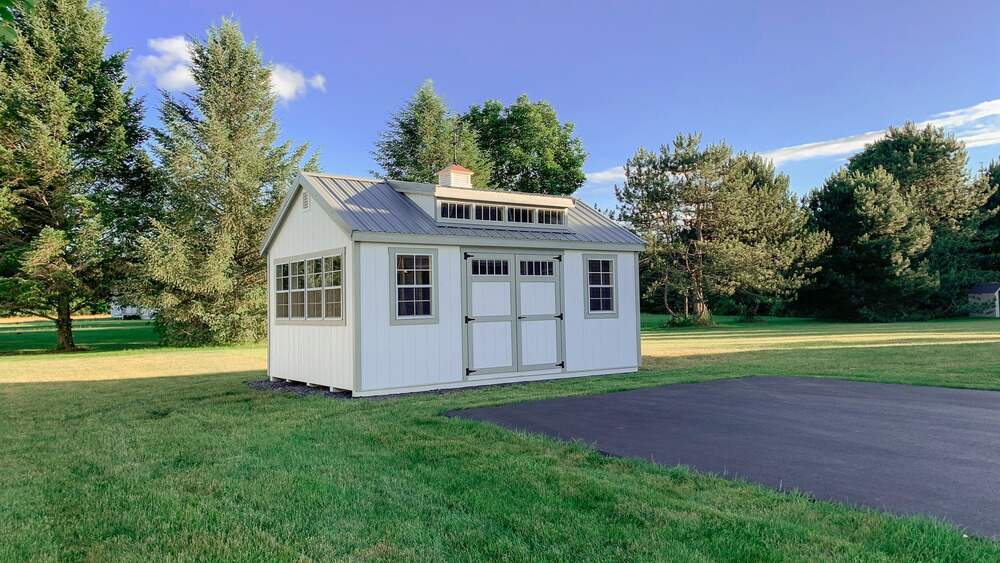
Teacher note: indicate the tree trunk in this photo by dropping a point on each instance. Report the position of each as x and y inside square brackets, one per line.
[64, 326]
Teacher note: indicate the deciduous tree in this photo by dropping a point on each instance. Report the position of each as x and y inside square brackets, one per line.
[531, 150]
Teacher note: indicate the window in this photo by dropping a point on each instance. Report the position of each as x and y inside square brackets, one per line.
[452, 210]
[550, 217]
[414, 293]
[490, 267]
[600, 272]
[309, 289]
[486, 212]
[520, 215]
[537, 268]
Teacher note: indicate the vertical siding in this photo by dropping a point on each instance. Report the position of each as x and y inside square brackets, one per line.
[593, 344]
[318, 354]
[409, 355]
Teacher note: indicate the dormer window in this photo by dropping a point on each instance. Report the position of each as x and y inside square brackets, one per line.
[489, 213]
[520, 215]
[453, 210]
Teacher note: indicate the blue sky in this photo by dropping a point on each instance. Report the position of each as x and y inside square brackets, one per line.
[768, 77]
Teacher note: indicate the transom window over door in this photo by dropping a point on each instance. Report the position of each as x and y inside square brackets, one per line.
[414, 293]
[310, 288]
[600, 281]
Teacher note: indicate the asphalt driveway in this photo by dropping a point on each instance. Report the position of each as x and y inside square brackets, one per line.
[898, 448]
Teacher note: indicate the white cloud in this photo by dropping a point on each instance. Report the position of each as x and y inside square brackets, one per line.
[170, 67]
[609, 176]
[289, 83]
[976, 126]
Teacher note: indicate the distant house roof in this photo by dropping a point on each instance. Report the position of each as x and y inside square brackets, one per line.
[374, 210]
[985, 288]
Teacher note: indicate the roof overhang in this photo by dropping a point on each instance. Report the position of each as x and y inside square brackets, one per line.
[460, 240]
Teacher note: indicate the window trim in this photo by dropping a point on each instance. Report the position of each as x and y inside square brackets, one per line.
[613, 313]
[394, 320]
[306, 321]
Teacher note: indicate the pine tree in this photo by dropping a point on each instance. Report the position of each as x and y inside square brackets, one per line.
[225, 176]
[423, 137]
[69, 133]
[530, 149]
[875, 267]
[763, 248]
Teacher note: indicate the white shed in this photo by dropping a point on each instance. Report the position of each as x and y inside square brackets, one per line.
[383, 286]
[984, 300]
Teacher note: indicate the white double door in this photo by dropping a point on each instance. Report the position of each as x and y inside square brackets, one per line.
[513, 312]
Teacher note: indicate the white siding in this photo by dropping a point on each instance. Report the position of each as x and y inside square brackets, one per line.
[426, 202]
[398, 356]
[596, 344]
[321, 354]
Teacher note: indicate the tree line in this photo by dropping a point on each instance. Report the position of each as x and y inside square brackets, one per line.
[95, 207]
[898, 233]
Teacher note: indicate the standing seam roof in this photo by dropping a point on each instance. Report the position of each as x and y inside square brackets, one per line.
[375, 206]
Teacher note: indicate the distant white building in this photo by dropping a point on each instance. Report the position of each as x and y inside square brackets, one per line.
[384, 287]
[131, 312]
[984, 300]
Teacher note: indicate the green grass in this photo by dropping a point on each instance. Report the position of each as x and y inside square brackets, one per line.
[100, 335]
[200, 466]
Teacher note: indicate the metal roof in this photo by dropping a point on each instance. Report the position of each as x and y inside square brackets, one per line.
[988, 288]
[374, 206]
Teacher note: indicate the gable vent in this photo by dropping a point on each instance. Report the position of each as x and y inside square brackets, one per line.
[305, 201]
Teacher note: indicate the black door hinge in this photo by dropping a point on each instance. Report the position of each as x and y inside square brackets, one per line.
[559, 316]
[468, 318]
[468, 371]
[467, 255]
[561, 364]
[559, 258]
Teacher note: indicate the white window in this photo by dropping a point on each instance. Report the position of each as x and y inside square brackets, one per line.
[550, 217]
[532, 268]
[452, 210]
[414, 285]
[490, 267]
[600, 272]
[486, 212]
[310, 288]
[520, 215]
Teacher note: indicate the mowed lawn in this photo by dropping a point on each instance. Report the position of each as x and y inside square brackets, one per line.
[132, 452]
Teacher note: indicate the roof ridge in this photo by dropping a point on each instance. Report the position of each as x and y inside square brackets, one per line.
[343, 177]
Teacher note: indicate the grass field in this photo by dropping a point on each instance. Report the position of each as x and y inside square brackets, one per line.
[155, 454]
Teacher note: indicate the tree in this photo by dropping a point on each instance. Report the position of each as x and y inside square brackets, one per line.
[530, 149]
[763, 248]
[225, 175]
[930, 169]
[68, 129]
[988, 224]
[716, 225]
[874, 268]
[8, 10]
[423, 137]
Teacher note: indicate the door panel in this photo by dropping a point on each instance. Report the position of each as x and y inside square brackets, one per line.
[490, 322]
[539, 342]
[491, 342]
[539, 311]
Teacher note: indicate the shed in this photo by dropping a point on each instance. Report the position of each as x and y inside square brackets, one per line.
[984, 300]
[383, 286]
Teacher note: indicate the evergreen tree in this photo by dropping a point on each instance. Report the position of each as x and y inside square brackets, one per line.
[530, 149]
[763, 248]
[930, 169]
[874, 268]
[225, 176]
[424, 137]
[69, 134]
[988, 227]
